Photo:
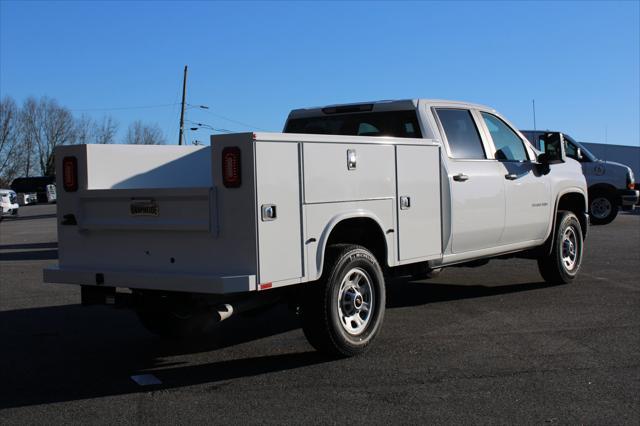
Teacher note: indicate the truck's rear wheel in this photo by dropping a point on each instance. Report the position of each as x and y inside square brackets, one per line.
[562, 264]
[602, 207]
[342, 314]
[174, 316]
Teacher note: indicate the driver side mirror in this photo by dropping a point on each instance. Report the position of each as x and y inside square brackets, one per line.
[543, 163]
[552, 145]
[579, 156]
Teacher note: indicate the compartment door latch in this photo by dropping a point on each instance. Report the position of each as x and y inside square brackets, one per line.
[405, 202]
[268, 212]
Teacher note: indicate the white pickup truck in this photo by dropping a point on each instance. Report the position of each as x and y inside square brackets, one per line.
[319, 214]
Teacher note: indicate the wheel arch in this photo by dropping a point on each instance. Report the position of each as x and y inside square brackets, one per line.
[363, 228]
[574, 200]
[604, 187]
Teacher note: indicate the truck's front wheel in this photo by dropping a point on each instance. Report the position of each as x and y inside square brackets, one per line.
[562, 264]
[342, 314]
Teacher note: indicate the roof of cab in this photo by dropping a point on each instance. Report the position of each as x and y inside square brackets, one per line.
[384, 105]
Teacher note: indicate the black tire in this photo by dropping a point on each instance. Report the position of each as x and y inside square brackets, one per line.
[174, 316]
[603, 207]
[352, 281]
[563, 263]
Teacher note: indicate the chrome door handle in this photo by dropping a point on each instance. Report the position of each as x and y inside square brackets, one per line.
[460, 177]
[511, 176]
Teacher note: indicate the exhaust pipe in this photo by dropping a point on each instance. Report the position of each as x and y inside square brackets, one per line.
[224, 311]
[245, 304]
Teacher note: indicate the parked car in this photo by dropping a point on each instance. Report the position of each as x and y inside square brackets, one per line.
[52, 195]
[319, 214]
[26, 199]
[8, 203]
[34, 184]
[611, 185]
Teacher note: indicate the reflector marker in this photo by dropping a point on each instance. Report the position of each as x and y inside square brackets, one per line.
[146, 379]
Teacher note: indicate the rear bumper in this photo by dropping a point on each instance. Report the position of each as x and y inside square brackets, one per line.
[628, 197]
[148, 281]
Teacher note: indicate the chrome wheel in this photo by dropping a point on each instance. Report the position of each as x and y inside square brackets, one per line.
[601, 207]
[355, 301]
[570, 249]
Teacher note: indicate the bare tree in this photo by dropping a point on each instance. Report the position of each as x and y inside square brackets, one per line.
[29, 133]
[139, 133]
[85, 129]
[46, 125]
[9, 146]
[105, 132]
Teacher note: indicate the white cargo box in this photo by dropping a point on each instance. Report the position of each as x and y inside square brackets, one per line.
[160, 217]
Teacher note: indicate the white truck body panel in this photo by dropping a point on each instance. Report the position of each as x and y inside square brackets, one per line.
[278, 184]
[419, 222]
[529, 208]
[323, 217]
[185, 241]
[327, 179]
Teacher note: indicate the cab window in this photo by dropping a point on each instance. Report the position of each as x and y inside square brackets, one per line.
[400, 124]
[509, 146]
[462, 133]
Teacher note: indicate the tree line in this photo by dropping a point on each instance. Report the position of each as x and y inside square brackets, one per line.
[29, 134]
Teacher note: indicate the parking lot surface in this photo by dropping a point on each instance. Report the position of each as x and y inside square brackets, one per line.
[492, 344]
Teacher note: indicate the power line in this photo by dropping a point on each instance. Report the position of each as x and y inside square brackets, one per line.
[208, 111]
[208, 126]
[125, 108]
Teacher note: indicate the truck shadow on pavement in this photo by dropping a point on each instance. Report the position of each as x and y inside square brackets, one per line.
[35, 216]
[66, 353]
[405, 292]
[32, 246]
[30, 255]
[32, 251]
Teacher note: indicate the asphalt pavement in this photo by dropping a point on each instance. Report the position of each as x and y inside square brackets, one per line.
[492, 344]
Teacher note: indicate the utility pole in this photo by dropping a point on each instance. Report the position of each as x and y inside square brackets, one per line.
[534, 114]
[184, 95]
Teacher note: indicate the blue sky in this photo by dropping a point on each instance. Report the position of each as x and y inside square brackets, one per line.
[253, 62]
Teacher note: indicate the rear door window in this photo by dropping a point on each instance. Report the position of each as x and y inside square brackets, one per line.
[462, 134]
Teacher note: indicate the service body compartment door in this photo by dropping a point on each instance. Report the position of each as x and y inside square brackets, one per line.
[344, 172]
[419, 224]
[278, 211]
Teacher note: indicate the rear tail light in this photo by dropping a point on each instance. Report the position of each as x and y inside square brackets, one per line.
[231, 170]
[70, 174]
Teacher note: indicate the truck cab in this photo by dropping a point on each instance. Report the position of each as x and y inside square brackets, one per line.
[611, 185]
[488, 168]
